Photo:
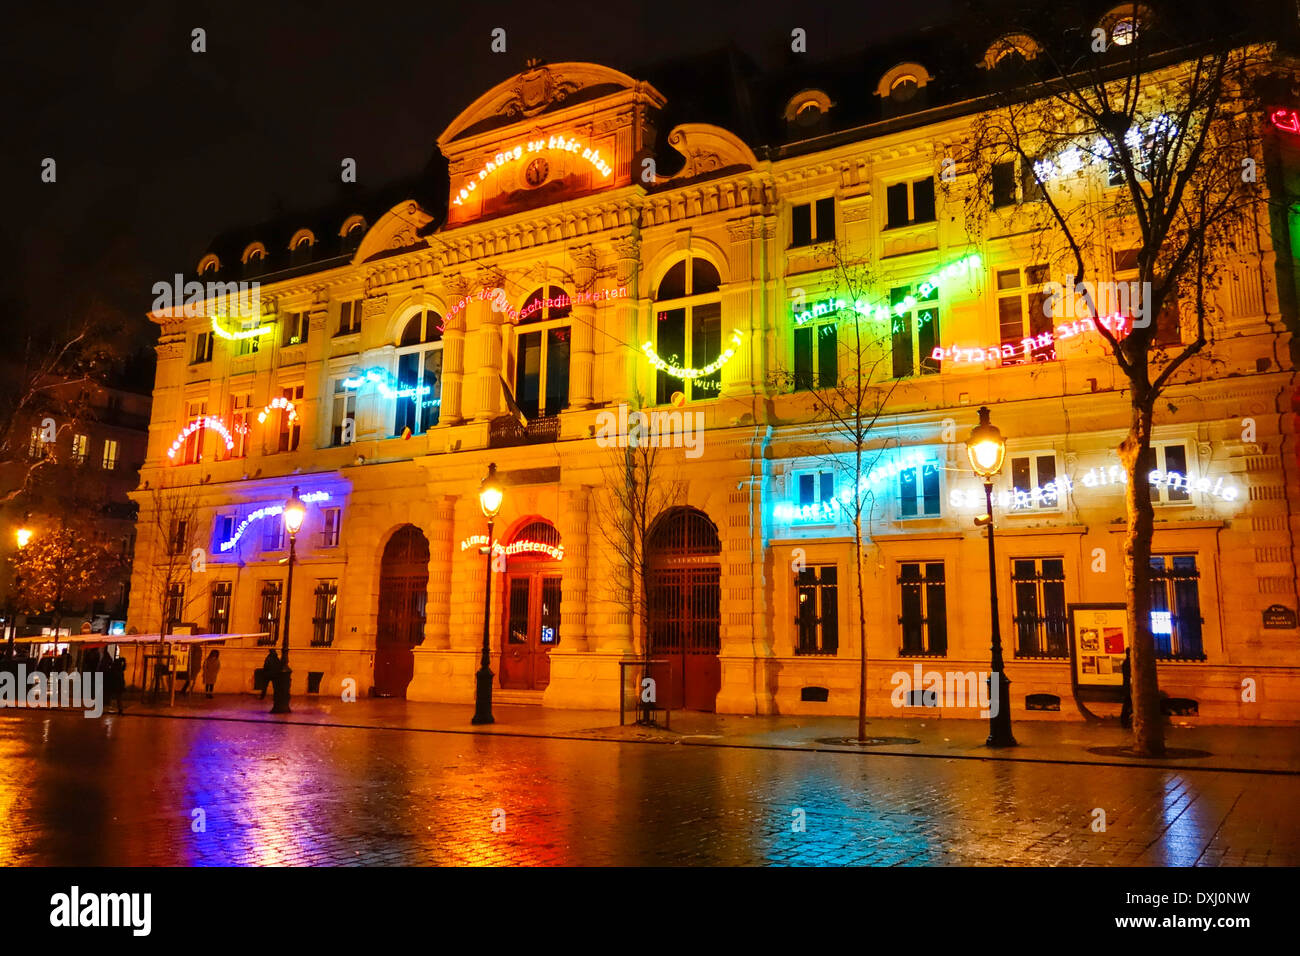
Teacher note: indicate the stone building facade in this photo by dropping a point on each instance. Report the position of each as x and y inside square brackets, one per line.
[567, 271]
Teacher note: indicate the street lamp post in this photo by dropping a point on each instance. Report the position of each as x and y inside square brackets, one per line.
[987, 449]
[294, 513]
[21, 536]
[490, 496]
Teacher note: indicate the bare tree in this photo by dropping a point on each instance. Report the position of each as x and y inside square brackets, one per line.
[637, 486]
[174, 534]
[850, 401]
[1146, 147]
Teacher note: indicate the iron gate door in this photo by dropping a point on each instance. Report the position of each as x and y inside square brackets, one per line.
[684, 630]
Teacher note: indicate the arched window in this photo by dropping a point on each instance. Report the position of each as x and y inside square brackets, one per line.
[353, 231]
[300, 248]
[682, 532]
[542, 353]
[904, 88]
[419, 373]
[688, 328]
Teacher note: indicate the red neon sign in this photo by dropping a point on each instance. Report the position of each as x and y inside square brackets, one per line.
[1286, 120]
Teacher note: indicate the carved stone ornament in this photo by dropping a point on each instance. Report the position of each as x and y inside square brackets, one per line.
[374, 306]
[536, 90]
[709, 148]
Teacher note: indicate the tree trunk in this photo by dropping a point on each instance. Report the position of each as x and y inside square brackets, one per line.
[862, 631]
[1148, 725]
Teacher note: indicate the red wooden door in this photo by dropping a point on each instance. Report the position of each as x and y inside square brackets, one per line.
[532, 628]
[403, 589]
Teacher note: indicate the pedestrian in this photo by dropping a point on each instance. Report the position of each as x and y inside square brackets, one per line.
[115, 682]
[1126, 712]
[270, 669]
[210, 669]
[192, 662]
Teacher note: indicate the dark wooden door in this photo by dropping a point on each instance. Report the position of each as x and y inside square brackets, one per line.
[403, 590]
[685, 631]
[532, 628]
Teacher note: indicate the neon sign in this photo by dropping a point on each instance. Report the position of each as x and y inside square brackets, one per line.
[819, 512]
[517, 152]
[1031, 343]
[1115, 475]
[387, 387]
[216, 424]
[523, 546]
[278, 402]
[1016, 499]
[1074, 158]
[1288, 121]
[693, 373]
[499, 303]
[222, 333]
[880, 313]
[270, 511]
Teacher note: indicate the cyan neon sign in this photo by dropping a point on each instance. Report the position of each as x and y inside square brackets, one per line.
[387, 387]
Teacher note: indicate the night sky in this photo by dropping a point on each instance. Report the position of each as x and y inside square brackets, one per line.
[160, 149]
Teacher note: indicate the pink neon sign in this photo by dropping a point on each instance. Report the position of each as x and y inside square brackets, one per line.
[500, 304]
[1286, 120]
[1030, 344]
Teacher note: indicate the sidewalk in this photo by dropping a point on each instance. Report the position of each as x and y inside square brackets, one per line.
[1239, 749]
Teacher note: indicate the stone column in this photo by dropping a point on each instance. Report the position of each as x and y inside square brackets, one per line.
[583, 326]
[442, 550]
[609, 620]
[453, 354]
[490, 366]
[573, 534]
[625, 369]
[746, 646]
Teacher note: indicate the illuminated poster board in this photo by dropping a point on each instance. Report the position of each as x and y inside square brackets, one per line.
[1098, 639]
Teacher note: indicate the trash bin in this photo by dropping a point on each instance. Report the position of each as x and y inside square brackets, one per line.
[259, 680]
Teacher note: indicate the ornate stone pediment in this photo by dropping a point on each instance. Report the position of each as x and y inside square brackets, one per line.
[709, 149]
[396, 230]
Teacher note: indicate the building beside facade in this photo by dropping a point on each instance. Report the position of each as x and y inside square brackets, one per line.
[589, 260]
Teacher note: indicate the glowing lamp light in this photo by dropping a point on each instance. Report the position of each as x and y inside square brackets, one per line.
[23, 535]
[294, 512]
[986, 447]
[490, 493]
[693, 373]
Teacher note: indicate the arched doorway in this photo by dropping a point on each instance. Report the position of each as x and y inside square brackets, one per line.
[684, 599]
[403, 588]
[532, 605]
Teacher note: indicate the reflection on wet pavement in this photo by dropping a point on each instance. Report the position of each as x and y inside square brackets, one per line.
[142, 791]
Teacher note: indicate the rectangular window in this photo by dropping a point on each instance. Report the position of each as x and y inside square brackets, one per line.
[1024, 314]
[344, 410]
[175, 605]
[925, 611]
[322, 621]
[296, 327]
[268, 616]
[542, 372]
[80, 445]
[219, 608]
[197, 411]
[1176, 607]
[178, 537]
[349, 317]
[273, 533]
[1041, 622]
[329, 527]
[240, 409]
[1033, 482]
[919, 491]
[812, 222]
[290, 427]
[109, 461]
[1004, 184]
[202, 348]
[226, 525]
[250, 344]
[816, 357]
[1166, 469]
[914, 335]
[817, 610]
[909, 202]
[705, 344]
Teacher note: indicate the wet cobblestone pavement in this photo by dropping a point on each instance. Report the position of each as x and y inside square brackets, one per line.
[124, 791]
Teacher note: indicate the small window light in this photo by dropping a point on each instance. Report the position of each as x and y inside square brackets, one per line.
[1124, 32]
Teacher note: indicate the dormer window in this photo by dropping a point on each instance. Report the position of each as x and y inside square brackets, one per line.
[1123, 23]
[1010, 51]
[209, 265]
[904, 89]
[300, 247]
[807, 109]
